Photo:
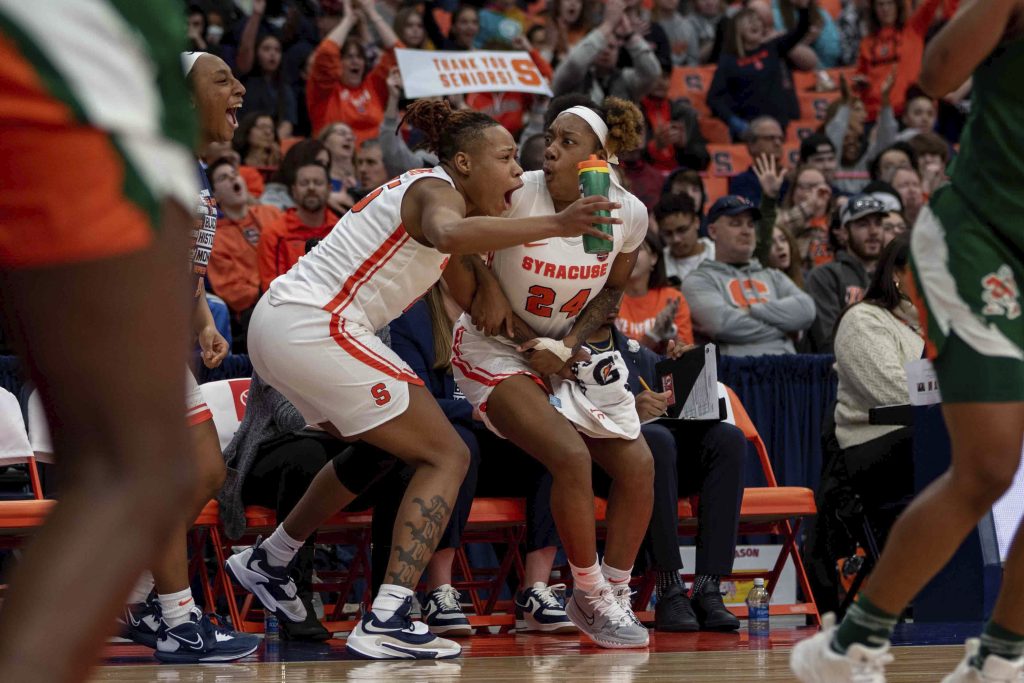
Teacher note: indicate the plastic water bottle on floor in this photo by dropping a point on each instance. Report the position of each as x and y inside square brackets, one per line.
[757, 609]
[271, 637]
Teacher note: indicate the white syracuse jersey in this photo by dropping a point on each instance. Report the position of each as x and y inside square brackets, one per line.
[368, 269]
[550, 281]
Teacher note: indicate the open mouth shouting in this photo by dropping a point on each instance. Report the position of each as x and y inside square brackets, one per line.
[231, 114]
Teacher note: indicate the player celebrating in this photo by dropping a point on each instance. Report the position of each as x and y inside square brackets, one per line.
[565, 294]
[968, 257]
[312, 338]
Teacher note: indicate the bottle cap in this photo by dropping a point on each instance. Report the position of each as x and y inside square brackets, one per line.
[593, 164]
[759, 583]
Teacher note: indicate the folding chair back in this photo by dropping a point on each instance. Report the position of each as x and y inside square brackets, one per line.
[15, 448]
[226, 400]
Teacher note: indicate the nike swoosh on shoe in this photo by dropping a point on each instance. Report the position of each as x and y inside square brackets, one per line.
[197, 644]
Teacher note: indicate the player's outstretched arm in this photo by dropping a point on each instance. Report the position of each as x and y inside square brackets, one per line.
[435, 213]
[962, 44]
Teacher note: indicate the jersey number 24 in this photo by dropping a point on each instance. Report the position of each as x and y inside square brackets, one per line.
[542, 300]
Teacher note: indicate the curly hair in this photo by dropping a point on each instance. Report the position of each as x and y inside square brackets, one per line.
[447, 131]
[625, 121]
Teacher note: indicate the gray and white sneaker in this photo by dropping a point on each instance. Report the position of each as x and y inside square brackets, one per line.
[272, 585]
[602, 617]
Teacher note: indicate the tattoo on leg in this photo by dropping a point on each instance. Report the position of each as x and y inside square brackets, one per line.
[413, 559]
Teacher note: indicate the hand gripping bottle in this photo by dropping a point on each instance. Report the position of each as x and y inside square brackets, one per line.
[596, 179]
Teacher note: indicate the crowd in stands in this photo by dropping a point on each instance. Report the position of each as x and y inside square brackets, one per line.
[786, 147]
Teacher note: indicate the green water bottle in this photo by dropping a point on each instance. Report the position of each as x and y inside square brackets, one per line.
[596, 179]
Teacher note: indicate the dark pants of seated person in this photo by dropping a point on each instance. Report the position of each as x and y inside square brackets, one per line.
[388, 498]
[507, 471]
[285, 467]
[690, 458]
[869, 482]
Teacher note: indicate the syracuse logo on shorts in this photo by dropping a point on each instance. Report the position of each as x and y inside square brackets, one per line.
[1000, 294]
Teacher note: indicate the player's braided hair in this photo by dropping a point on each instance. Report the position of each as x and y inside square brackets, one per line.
[448, 131]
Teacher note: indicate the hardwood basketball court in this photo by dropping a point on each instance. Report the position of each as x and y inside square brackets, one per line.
[698, 657]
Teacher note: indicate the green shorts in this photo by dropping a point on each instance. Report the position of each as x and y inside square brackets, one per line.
[967, 272]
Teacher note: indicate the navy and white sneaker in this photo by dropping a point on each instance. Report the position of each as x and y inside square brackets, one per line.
[140, 622]
[398, 638]
[198, 641]
[272, 586]
[542, 608]
[443, 613]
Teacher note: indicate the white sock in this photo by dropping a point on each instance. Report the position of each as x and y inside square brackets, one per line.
[176, 607]
[389, 598]
[616, 577]
[281, 547]
[587, 579]
[143, 587]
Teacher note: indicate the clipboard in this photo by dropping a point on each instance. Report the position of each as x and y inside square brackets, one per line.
[692, 380]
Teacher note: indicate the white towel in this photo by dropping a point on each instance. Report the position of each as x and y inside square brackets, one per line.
[598, 401]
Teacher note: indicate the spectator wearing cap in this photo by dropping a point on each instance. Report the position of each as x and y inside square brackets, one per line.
[678, 227]
[842, 283]
[750, 80]
[764, 136]
[893, 222]
[745, 308]
[817, 151]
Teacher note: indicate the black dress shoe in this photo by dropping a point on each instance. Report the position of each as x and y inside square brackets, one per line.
[673, 612]
[309, 630]
[711, 611]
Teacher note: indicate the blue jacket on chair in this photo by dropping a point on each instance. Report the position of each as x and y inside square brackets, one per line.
[412, 338]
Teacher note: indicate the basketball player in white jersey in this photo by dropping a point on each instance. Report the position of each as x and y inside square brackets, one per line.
[564, 294]
[312, 338]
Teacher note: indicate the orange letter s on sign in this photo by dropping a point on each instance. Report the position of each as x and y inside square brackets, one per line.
[526, 72]
[380, 393]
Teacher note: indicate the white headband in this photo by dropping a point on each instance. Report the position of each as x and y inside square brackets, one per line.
[599, 127]
[188, 60]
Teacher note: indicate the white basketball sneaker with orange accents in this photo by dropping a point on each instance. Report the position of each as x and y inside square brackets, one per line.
[814, 661]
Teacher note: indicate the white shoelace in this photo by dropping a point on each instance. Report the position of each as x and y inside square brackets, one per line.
[547, 597]
[608, 604]
[624, 595]
[448, 598]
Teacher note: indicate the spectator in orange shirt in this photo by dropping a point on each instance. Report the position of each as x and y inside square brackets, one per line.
[652, 312]
[234, 265]
[893, 39]
[284, 241]
[341, 85]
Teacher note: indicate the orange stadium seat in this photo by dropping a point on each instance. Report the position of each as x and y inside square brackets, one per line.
[691, 82]
[833, 7]
[791, 154]
[715, 187]
[814, 104]
[714, 130]
[804, 81]
[800, 129]
[728, 160]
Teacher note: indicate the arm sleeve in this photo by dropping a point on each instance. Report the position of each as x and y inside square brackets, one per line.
[684, 326]
[921, 20]
[836, 128]
[398, 158]
[868, 357]
[789, 40]
[267, 250]
[719, 99]
[642, 78]
[228, 277]
[821, 288]
[574, 67]
[325, 73]
[716, 318]
[792, 311]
